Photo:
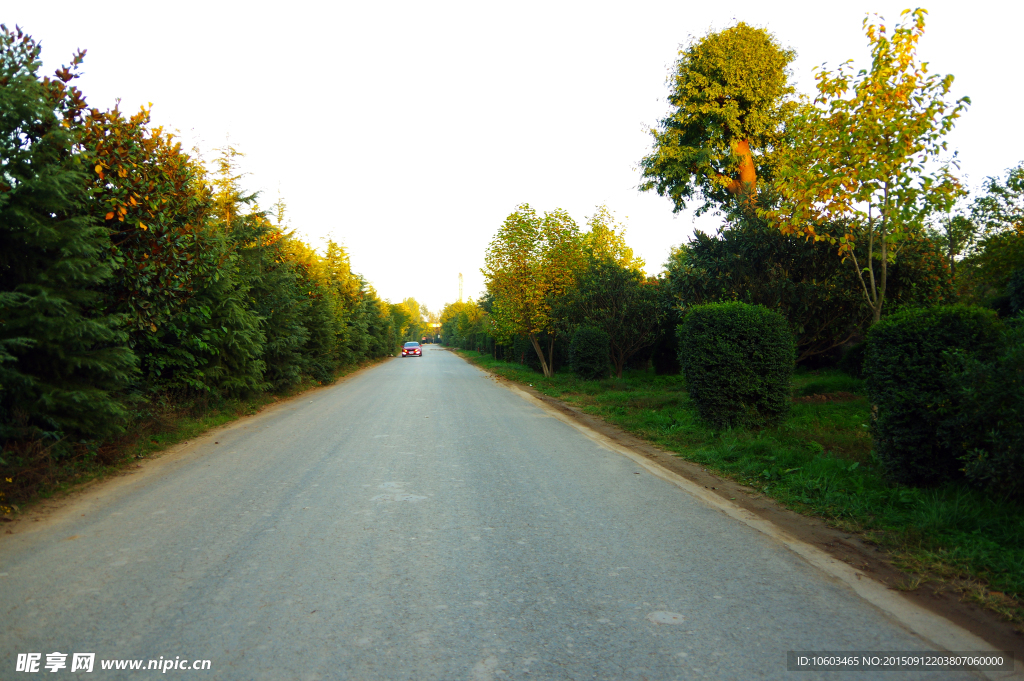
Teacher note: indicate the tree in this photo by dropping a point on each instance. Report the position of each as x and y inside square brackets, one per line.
[955, 234]
[750, 261]
[63, 357]
[731, 99]
[414, 328]
[606, 240]
[346, 289]
[461, 319]
[619, 301]
[1001, 207]
[531, 262]
[155, 202]
[867, 166]
[999, 213]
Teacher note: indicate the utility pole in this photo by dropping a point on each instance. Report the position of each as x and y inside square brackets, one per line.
[460, 287]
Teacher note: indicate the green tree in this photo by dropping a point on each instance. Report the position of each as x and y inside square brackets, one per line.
[606, 239]
[1001, 207]
[346, 291]
[955, 234]
[462, 320]
[62, 356]
[750, 261]
[619, 301]
[867, 167]
[154, 200]
[415, 328]
[531, 262]
[999, 213]
[731, 99]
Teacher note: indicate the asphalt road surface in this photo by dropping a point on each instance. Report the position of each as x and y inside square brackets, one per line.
[419, 521]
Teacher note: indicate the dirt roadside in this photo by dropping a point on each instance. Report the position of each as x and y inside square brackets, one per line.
[869, 559]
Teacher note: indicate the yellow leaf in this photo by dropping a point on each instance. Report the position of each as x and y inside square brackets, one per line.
[98, 169]
[142, 226]
[109, 216]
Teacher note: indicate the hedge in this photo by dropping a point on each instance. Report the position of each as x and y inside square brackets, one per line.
[910, 375]
[737, 361]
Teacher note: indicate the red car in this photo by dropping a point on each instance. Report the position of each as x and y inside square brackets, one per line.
[412, 349]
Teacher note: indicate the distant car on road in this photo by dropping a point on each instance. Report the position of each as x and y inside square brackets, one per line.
[412, 349]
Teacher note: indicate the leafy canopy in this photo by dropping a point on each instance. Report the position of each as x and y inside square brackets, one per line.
[867, 166]
[999, 213]
[532, 261]
[731, 99]
[606, 240]
[619, 301]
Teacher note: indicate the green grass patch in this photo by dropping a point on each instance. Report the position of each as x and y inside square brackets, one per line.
[827, 381]
[819, 462]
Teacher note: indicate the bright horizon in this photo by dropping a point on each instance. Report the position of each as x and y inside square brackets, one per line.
[409, 133]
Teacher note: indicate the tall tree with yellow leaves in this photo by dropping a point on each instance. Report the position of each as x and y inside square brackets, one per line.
[532, 261]
[868, 168]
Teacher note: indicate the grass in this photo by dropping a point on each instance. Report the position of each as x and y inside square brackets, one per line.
[819, 462]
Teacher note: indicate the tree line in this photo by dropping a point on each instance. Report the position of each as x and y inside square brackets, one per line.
[134, 279]
[840, 213]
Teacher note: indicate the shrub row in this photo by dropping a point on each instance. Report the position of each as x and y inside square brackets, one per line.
[947, 387]
[737, 360]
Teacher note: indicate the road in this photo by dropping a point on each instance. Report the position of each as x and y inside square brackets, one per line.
[419, 521]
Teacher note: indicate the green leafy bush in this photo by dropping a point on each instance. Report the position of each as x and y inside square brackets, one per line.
[908, 371]
[986, 419]
[737, 360]
[852, 361]
[588, 352]
[831, 381]
[1015, 291]
[523, 353]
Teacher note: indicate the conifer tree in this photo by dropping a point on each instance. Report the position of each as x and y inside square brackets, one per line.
[62, 357]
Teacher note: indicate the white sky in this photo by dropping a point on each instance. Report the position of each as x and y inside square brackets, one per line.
[409, 130]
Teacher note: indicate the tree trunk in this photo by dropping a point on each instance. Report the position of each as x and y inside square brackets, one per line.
[540, 354]
[745, 186]
[880, 296]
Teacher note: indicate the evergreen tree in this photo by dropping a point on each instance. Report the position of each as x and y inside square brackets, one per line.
[62, 357]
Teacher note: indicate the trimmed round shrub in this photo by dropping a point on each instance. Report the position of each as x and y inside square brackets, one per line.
[737, 361]
[987, 421]
[589, 350]
[908, 368]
